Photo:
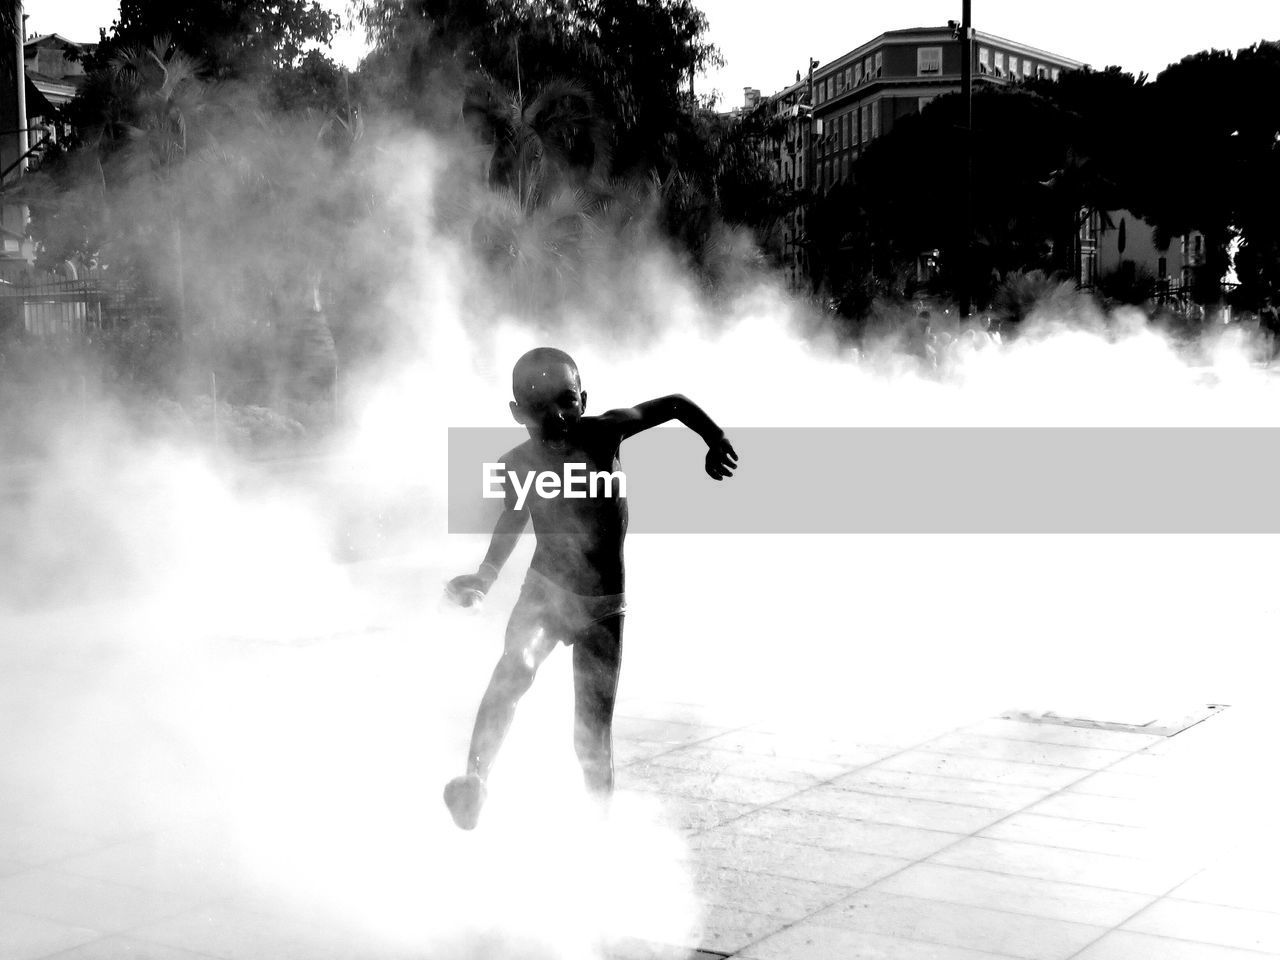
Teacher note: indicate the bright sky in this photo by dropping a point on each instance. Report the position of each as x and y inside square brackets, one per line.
[765, 43]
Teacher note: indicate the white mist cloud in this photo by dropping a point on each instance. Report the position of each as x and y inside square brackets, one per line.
[188, 645]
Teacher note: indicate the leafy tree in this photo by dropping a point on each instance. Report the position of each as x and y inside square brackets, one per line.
[230, 37]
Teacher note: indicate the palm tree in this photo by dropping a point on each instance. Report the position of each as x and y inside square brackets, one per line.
[539, 144]
[167, 96]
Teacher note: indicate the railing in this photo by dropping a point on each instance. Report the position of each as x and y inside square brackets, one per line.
[47, 307]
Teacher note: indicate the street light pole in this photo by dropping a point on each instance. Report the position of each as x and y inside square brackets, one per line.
[966, 92]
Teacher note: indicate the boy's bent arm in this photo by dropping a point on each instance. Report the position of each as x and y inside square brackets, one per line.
[721, 460]
[652, 413]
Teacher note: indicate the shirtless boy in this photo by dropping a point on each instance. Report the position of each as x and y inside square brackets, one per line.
[574, 590]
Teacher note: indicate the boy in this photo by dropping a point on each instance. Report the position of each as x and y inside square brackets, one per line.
[573, 592]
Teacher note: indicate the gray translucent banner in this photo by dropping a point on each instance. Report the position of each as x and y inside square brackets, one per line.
[926, 480]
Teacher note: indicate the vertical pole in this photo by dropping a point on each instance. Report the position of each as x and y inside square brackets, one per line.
[966, 92]
[810, 166]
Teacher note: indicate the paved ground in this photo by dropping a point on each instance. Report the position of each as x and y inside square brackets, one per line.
[1000, 839]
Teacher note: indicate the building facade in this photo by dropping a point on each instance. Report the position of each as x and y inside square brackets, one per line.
[851, 101]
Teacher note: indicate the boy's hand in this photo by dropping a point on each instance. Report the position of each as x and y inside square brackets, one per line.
[469, 589]
[722, 459]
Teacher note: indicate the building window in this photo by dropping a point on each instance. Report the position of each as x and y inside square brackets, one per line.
[928, 61]
[1042, 73]
[1013, 66]
[999, 64]
[866, 124]
[839, 81]
[984, 60]
[1055, 73]
[1026, 68]
[849, 134]
[866, 69]
[844, 168]
[857, 74]
[879, 68]
[875, 120]
[848, 76]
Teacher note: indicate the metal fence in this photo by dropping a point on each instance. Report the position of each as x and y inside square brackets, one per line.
[48, 307]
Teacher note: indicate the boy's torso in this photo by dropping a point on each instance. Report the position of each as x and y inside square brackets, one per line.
[579, 539]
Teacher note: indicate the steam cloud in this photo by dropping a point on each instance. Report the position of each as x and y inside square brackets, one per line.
[250, 659]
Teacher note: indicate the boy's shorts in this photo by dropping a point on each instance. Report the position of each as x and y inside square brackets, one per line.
[567, 614]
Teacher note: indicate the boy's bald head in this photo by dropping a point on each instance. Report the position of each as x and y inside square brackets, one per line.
[539, 369]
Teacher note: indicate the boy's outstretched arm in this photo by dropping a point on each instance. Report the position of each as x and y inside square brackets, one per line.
[721, 459]
[506, 534]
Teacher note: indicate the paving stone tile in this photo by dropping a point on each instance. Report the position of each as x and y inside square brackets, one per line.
[1111, 783]
[1210, 923]
[789, 859]
[243, 935]
[983, 768]
[182, 863]
[1120, 945]
[85, 902]
[1023, 751]
[1118, 740]
[628, 752]
[765, 893]
[1041, 898]
[126, 948]
[902, 811]
[33, 938]
[975, 928]
[654, 778]
[1096, 808]
[922, 786]
[1051, 831]
[1249, 885]
[1066, 866]
[10, 867]
[1146, 764]
[663, 731]
[695, 814]
[838, 833]
[801, 747]
[810, 941]
[35, 844]
[800, 771]
[729, 929]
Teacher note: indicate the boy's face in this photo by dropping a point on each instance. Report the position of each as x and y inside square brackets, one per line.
[550, 402]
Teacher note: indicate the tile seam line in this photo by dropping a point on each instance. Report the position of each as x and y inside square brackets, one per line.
[821, 783]
[678, 746]
[1139, 912]
[892, 936]
[127, 936]
[1049, 744]
[949, 803]
[1155, 738]
[1028, 763]
[853, 891]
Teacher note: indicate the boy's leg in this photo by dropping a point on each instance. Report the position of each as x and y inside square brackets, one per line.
[597, 659]
[531, 635]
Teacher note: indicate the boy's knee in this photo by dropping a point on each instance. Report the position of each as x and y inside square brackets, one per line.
[516, 671]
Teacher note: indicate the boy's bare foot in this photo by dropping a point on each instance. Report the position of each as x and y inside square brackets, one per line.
[464, 796]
